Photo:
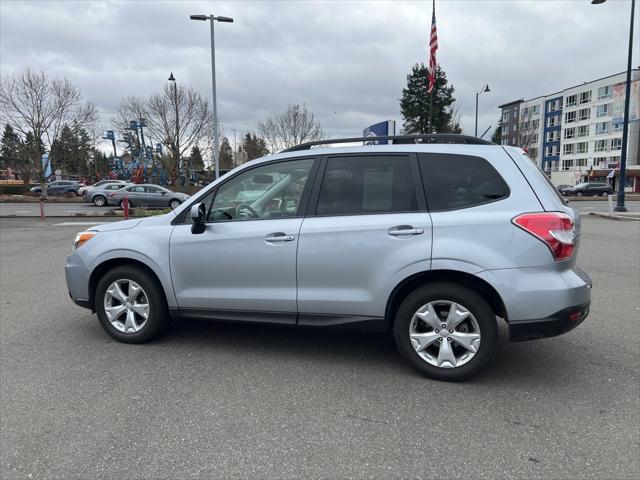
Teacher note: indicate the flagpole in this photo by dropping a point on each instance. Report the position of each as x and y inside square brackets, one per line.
[432, 54]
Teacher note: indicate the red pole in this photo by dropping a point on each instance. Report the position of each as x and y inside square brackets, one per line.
[126, 207]
[41, 208]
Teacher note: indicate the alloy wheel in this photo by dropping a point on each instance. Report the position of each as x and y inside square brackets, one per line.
[444, 334]
[126, 306]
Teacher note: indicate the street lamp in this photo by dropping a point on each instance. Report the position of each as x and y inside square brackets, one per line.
[482, 90]
[212, 19]
[177, 142]
[625, 121]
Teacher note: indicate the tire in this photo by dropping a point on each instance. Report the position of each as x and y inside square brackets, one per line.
[142, 330]
[604, 194]
[122, 202]
[579, 194]
[99, 200]
[481, 320]
[175, 203]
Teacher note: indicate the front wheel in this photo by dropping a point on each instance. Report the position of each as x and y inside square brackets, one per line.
[175, 203]
[579, 194]
[446, 331]
[130, 304]
[604, 194]
[99, 200]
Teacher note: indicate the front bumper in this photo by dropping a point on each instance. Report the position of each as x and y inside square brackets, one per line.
[77, 276]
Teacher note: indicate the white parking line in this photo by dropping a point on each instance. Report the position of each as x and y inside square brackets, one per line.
[23, 211]
[74, 224]
[71, 211]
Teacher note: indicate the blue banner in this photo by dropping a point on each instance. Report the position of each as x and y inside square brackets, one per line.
[386, 128]
[46, 165]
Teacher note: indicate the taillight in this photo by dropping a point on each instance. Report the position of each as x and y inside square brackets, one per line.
[555, 229]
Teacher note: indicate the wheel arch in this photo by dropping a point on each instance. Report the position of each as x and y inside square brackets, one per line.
[409, 284]
[100, 270]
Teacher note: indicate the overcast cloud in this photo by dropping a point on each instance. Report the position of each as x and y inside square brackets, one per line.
[347, 60]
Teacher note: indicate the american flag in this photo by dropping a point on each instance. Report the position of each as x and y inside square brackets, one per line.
[433, 46]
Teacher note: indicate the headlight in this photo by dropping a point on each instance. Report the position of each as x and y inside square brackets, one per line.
[82, 238]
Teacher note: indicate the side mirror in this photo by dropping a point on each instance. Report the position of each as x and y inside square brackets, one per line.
[163, 192]
[198, 216]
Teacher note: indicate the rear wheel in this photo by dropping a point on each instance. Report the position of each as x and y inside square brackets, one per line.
[99, 200]
[579, 194]
[175, 203]
[130, 305]
[446, 331]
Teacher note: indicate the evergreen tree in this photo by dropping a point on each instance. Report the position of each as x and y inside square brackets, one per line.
[10, 147]
[197, 163]
[226, 155]
[415, 103]
[72, 151]
[497, 133]
[254, 146]
[30, 157]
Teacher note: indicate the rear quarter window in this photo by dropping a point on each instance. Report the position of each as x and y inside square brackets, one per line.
[453, 182]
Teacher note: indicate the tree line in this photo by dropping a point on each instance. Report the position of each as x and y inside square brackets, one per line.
[50, 114]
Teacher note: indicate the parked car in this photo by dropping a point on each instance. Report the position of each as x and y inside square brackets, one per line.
[146, 195]
[60, 187]
[589, 189]
[98, 195]
[563, 187]
[82, 190]
[435, 242]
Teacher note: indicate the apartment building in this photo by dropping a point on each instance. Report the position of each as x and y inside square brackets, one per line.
[579, 129]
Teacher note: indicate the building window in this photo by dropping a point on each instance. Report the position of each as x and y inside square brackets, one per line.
[570, 117]
[567, 164]
[568, 149]
[584, 114]
[571, 100]
[599, 161]
[617, 127]
[535, 123]
[505, 116]
[504, 130]
[581, 162]
[616, 144]
[582, 147]
[604, 92]
[514, 114]
[585, 97]
[603, 110]
[570, 133]
[533, 152]
[583, 131]
[535, 110]
[615, 159]
[514, 128]
[602, 128]
[601, 145]
[525, 111]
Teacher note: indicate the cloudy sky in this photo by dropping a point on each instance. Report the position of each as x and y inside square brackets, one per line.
[347, 61]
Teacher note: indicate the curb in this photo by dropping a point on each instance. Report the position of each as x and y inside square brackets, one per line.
[623, 218]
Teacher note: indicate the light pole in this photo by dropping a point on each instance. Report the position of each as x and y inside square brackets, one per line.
[212, 19]
[625, 125]
[482, 90]
[177, 142]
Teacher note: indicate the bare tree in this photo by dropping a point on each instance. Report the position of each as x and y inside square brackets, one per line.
[178, 117]
[296, 125]
[37, 105]
[528, 133]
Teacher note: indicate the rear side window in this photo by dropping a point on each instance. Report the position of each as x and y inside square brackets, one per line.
[453, 182]
[367, 184]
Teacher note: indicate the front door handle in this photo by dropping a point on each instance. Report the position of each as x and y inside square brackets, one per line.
[402, 230]
[278, 237]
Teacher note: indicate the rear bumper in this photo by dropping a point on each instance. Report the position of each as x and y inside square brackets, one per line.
[557, 324]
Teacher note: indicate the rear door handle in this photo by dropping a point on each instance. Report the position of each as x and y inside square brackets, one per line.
[278, 237]
[402, 230]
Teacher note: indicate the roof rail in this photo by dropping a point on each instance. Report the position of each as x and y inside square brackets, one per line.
[397, 139]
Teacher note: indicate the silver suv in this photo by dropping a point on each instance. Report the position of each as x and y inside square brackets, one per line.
[434, 238]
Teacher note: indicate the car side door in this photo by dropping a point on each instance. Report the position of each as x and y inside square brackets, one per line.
[367, 228]
[243, 265]
[155, 197]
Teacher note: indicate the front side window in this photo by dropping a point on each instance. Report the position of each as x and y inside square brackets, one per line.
[367, 184]
[136, 189]
[269, 191]
[460, 181]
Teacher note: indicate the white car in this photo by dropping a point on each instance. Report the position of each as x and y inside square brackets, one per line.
[82, 190]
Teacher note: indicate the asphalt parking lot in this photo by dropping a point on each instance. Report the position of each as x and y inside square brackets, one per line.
[216, 400]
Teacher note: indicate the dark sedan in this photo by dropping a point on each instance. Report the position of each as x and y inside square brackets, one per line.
[60, 187]
[589, 189]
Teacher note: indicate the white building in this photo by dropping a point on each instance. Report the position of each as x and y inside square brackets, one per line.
[574, 131]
